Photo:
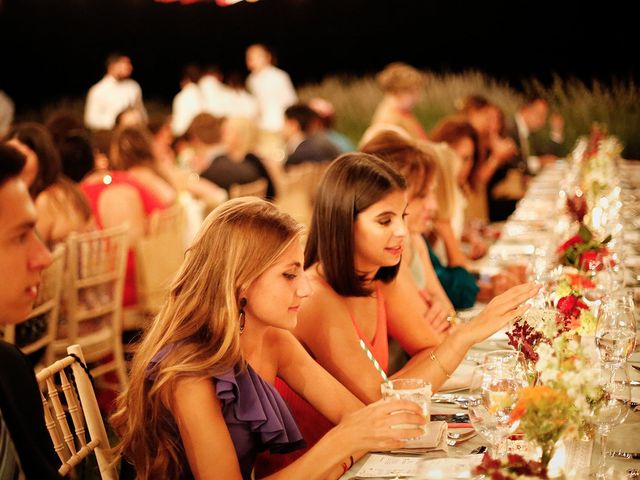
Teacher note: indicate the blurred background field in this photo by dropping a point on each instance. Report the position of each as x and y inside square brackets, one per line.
[616, 104]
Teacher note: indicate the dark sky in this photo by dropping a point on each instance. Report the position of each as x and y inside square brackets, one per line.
[55, 48]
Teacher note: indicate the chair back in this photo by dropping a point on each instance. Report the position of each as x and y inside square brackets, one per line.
[294, 195]
[93, 298]
[159, 255]
[47, 305]
[257, 188]
[86, 434]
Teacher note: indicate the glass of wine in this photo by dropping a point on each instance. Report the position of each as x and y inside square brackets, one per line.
[493, 393]
[615, 331]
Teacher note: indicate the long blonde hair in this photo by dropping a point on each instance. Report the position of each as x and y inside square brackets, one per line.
[198, 327]
[448, 166]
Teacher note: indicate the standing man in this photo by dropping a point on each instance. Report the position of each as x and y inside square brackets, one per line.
[113, 94]
[26, 450]
[273, 91]
[189, 101]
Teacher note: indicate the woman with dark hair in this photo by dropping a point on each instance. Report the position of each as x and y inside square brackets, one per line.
[61, 207]
[352, 259]
[128, 193]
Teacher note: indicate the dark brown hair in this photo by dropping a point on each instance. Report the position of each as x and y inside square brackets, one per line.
[38, 139]
[131, 146]
[451, 131]
[414, 163]
[351, 184]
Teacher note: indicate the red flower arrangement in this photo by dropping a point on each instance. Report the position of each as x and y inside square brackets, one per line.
[570, 308]
[583, 249]
[514, 467]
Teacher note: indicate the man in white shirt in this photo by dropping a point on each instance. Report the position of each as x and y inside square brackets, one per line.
[214, 92]
[271, 87]
[189, 101]
[113, 94]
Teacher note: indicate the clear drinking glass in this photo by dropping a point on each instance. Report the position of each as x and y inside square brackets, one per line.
[493, 395]
[613, 409]
[413, 389]
[616, 331]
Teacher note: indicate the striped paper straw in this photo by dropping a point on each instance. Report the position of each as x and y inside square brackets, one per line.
[374, 361]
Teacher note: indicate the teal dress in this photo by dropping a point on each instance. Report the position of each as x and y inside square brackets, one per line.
[458, 283]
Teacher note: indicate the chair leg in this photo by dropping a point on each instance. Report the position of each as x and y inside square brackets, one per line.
[121, 368]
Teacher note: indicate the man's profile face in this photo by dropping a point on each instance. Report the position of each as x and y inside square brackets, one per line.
[122, 68]
[257, 58]
[23, 256]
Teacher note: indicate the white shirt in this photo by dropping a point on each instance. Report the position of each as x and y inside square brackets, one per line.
[240, 103]
[188, 103]
[214, 95]
[107, 98]
[274, 92]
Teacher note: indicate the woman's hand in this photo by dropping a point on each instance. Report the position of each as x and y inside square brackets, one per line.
[378, 426]
[501, 310]
[438, 316]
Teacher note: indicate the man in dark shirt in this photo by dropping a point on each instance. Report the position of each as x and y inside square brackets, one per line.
[305, 141]
[25, 445]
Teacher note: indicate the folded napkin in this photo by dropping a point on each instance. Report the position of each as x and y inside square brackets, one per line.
[460, 379]
[434, 439]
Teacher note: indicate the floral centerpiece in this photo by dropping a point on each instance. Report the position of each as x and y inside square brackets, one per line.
[558, 406]
[582, 248]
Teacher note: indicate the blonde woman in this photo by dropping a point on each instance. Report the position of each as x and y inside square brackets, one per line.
[402, 86]
[201, 402]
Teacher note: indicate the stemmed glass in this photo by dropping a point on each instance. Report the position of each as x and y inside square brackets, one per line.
[616, 330]
[493, 393]
[612, 409]
[601, 278]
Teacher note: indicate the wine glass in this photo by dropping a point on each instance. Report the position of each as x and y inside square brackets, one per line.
[493, 393]
[612, 409]
[616, 330]
[600, 277]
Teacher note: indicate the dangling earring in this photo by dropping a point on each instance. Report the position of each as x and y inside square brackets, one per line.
[241, 318]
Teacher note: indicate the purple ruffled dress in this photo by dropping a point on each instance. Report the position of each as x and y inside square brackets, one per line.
[256, 415]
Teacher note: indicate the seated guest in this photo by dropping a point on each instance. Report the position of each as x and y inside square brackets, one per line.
[61, 123]
[128, 194]
[77, 155]
[531, 117]
[352, 259]
[238, 164]
[463, 140]
[402, 86]
[418, 166]
[503, 185]
[26, 450]
[327, 115]
[61, 207]
[202, 377]
[304, 142]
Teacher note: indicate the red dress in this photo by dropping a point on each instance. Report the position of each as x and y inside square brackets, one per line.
[312, 424]
[150, 203]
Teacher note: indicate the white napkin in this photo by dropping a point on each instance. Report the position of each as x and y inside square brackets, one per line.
[434, 439]
[460, 379]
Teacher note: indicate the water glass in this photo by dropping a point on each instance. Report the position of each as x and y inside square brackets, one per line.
[413, 389]
[615, 331]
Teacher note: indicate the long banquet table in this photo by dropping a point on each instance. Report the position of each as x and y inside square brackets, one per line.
[531, 233]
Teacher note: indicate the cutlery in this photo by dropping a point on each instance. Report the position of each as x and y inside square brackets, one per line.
[478, 450]
[453, 442]
[629, 455]
[636, 367]
[457, 435]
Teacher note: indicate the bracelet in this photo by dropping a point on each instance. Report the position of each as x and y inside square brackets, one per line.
[433, 357]
[344, 465]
